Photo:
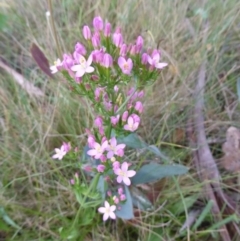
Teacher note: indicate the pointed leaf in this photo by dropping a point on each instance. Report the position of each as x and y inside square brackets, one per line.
[126, 211]
[156, 151]
[133, 141]
[153, 172]
[101, 187]
[7, 219]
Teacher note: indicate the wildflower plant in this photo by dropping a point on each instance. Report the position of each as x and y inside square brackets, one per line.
[101, 69]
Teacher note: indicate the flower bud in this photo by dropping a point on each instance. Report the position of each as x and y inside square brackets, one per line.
[144, 59]
[80, 49]
[133, 50]
[107, 30]
[100, 168]
[86, 32]
[139, 44]
[96, 40]
[117, 39]
[115, 88]
[139, 107]
[107, 61]
[123, 50]
[98, 23]
[124, 116]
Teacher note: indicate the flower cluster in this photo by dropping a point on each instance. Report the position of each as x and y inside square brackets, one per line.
[100, 69]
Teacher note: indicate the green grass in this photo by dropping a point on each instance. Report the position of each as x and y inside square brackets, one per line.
[34, 189]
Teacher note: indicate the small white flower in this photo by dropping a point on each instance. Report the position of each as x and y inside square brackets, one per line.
[108, 211]
[54, 68]
[60, 153]
[83, 67]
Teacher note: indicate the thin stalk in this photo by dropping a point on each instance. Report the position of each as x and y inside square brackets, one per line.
[50, 9]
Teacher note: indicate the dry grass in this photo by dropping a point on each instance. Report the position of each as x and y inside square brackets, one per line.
[34, 189]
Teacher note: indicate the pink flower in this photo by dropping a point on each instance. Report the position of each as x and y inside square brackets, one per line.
[126, 66]
[98, 122]
[139, 106]
[144, 59]
[100, 168]
[133, 50]
[86, 32]
[120, 190]
[98, 149]
[122, 197]
[107, 30]
[114, 119]
[115, 88]
[154, 61]
[123, 50]
[68, 61]
[98, 23]
[97, 55]
[96, 40]
[131, 125]
[117, 39]
[124, 116]
[139, 44]
[123, 174]
[114, 149]
[115, 199]
[66, 146]
[107, 60]
[108, 211]
[83, 67]
[116, 165]
[80, 49]
[60, 153]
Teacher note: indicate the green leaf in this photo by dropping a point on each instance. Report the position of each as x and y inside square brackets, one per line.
[238, 88]
[153, 172]
[140, 200]
[101, 187]
[133, 141]
[156, 151]
[7, 219]
[126, 211]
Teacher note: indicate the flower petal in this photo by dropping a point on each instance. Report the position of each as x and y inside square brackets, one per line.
[112, 215]
[112, 208]
[131, 173]
[161, 65]
[124, 167]
[101, 210]
[105, 216]
[90, 59]
[89, 69]
[80, 73]
[106, 203]
[119, 179]
[121, 61]
[127, 181]
[76, 67]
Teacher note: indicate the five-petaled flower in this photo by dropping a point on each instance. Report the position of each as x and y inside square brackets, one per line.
[125, 65]
[83, 67]
[131, 125]
[154, 61]
[98, 149]
[123, 174]
[108, 211]
[114, 149]
[60, 153]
